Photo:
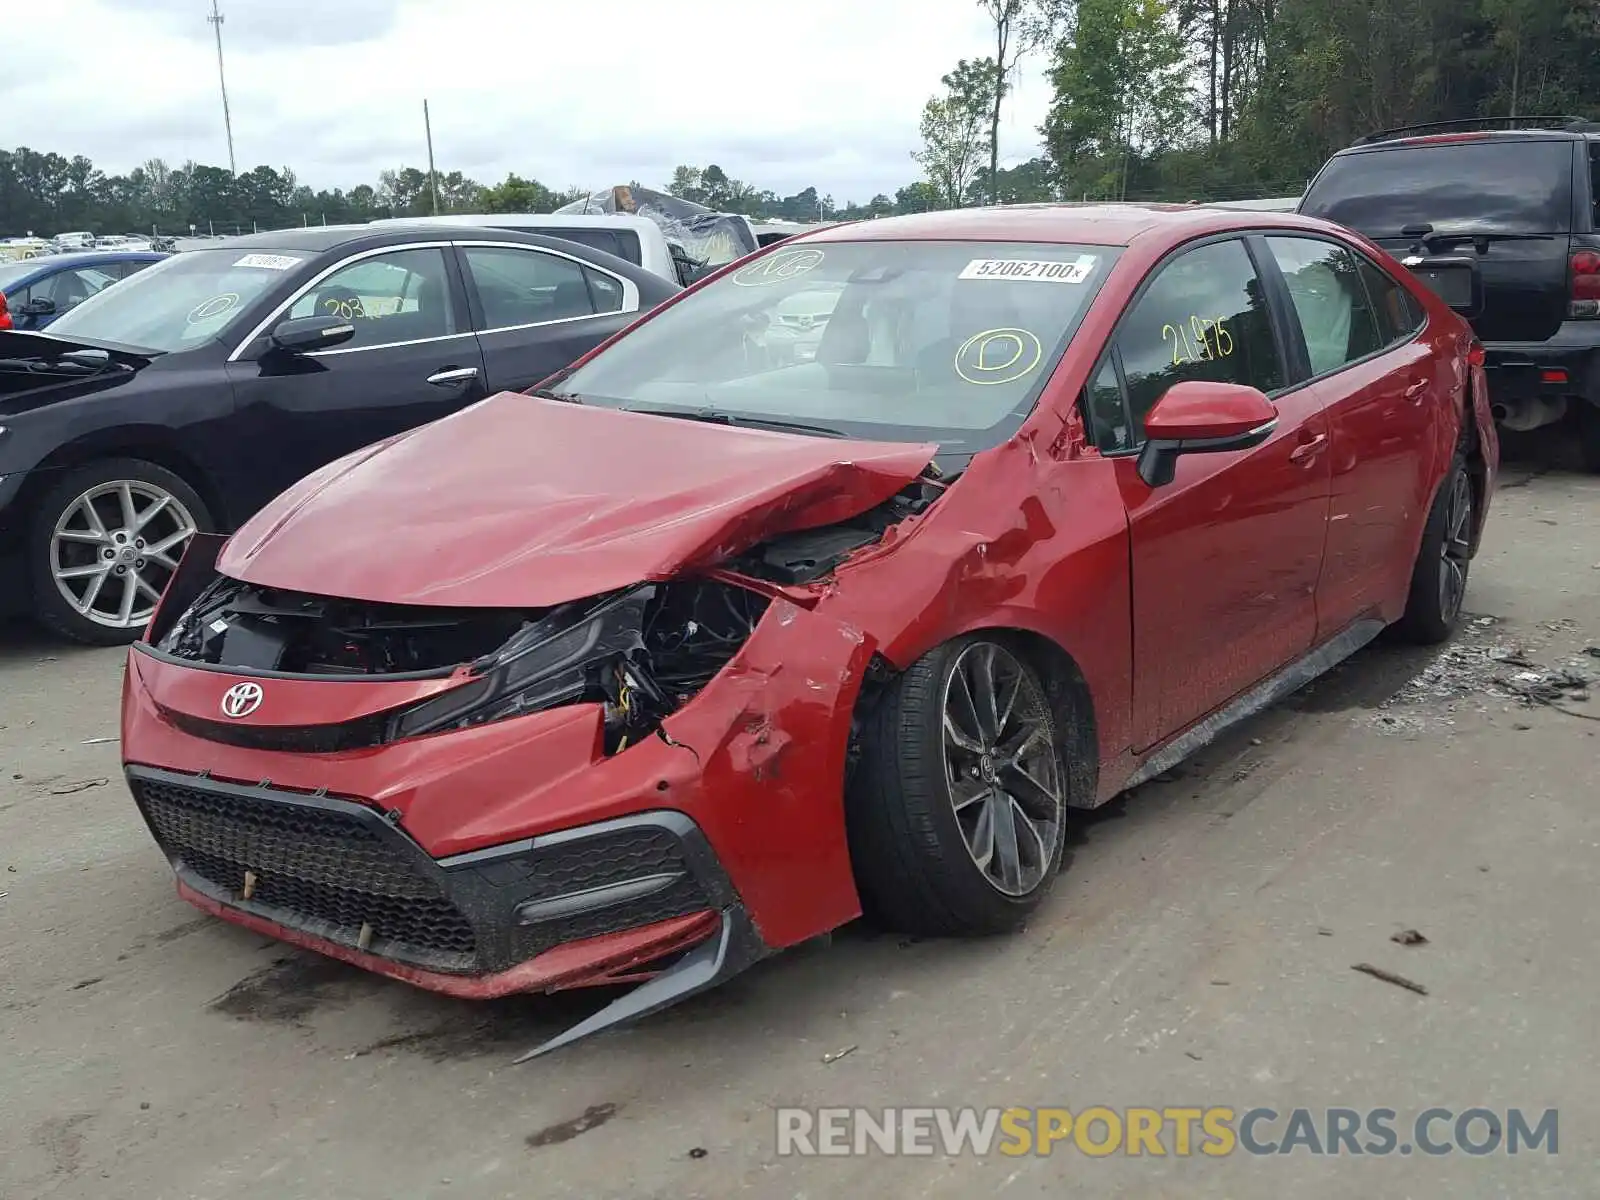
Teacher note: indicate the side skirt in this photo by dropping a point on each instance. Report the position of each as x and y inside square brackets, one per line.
[1265, 694]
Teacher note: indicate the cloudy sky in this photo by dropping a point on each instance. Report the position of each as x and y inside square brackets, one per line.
[592, 92]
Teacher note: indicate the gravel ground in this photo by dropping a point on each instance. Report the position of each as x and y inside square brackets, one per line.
[1197, 951]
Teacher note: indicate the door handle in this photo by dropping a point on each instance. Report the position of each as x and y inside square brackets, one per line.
[1416, 391]
[1308, 448]
[452, 375]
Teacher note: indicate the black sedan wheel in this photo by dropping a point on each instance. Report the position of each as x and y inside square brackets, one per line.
[105, 541]
[957, 810]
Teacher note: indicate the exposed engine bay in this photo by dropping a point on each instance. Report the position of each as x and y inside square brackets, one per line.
[642, 652]
[810, 554]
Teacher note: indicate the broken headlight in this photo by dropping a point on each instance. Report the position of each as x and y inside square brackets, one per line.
[553, 661]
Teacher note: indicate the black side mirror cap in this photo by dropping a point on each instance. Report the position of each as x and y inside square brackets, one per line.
[300, 335]
[1158, 457]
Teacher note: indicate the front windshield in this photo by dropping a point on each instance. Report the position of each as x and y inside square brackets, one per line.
[948, 342]
[180, 301]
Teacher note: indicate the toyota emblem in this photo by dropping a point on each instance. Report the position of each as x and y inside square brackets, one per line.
[241, 700]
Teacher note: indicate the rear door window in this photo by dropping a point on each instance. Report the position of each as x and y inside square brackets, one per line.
[1399, 315]
[1330, 300]
[519, 286]
[1494, 185]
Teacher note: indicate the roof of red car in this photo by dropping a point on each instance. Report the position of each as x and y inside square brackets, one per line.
[1092, 224]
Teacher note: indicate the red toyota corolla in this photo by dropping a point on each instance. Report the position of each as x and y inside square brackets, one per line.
[829, 586]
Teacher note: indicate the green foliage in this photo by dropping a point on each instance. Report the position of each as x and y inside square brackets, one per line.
[954, 126]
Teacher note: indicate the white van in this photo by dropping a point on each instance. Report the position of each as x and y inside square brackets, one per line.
[638, 240]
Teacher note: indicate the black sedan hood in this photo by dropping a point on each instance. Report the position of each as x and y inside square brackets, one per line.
[15, 344]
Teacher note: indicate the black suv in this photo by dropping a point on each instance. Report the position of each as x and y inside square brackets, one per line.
[1520, 198]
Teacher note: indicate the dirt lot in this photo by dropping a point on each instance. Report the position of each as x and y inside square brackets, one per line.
[1198, 951]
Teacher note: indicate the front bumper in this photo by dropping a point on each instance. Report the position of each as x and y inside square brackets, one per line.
[436, 855]
[346, 876]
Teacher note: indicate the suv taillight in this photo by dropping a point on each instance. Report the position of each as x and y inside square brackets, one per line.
[5, 313]
[1584, 303]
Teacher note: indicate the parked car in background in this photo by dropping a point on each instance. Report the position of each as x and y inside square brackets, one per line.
[699, 653]
[635, 239]
[187, 396]
[1520, 199]
[36, 291]
[80, 240]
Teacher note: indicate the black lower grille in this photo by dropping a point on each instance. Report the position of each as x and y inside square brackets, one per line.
[326, 870]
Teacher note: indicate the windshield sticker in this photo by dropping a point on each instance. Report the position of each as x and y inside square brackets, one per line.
[1032, 270]
[269, 262]
[213, 308]
[998, 356]
[1200, 339]
[778, 268]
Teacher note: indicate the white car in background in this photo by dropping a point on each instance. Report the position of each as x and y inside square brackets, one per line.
[638, 240]
[798, 325]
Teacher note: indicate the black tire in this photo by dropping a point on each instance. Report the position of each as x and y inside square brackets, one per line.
[913, 866]
[1589, 434]
[1439, 577]
[50, 607]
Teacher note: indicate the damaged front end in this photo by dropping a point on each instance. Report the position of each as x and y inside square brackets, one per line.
[642, 786]
[641, 652]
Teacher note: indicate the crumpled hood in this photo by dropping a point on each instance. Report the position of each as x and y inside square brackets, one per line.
[522, 502]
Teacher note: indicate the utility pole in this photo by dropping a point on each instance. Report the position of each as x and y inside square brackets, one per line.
[433, 176]
[216, 19]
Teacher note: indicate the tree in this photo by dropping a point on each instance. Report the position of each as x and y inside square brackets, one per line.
[952, 128]
[1020, 27]
[1121, 89]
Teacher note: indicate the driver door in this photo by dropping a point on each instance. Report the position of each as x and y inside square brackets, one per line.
[412, 360]
[1226, 558]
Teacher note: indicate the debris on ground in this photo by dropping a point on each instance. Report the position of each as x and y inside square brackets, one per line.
[99, 741]
[698, 1152]
[1193, 1055]
[1410, 985]
[1479, 667]
[838, 1054]
[82, 785]
[1408, 937]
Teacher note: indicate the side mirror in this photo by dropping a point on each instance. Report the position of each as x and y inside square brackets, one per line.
[302, 334]
[42, 307]
[1195, 417]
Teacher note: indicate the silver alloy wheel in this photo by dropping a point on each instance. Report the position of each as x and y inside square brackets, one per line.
[1457, 547]
[1001, 767]
[115, 547]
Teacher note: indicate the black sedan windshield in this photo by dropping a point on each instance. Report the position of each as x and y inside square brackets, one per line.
[179, 302]
[901, 341]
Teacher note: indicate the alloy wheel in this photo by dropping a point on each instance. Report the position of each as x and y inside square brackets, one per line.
[1457, 547]
[114, 549]
[1001, 767]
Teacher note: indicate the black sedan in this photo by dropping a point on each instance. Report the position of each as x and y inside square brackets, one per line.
[189, 395]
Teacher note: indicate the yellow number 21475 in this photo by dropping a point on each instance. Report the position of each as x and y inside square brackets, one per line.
[1210, 336]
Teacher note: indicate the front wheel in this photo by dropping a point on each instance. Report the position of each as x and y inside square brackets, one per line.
[957, 808]
[104, 542]
[1439, 577]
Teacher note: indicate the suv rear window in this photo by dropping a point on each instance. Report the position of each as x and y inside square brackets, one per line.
[1501, 185]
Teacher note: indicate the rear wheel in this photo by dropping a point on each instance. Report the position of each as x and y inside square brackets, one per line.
[1439, 578]
[957, 810]
[104, 542]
